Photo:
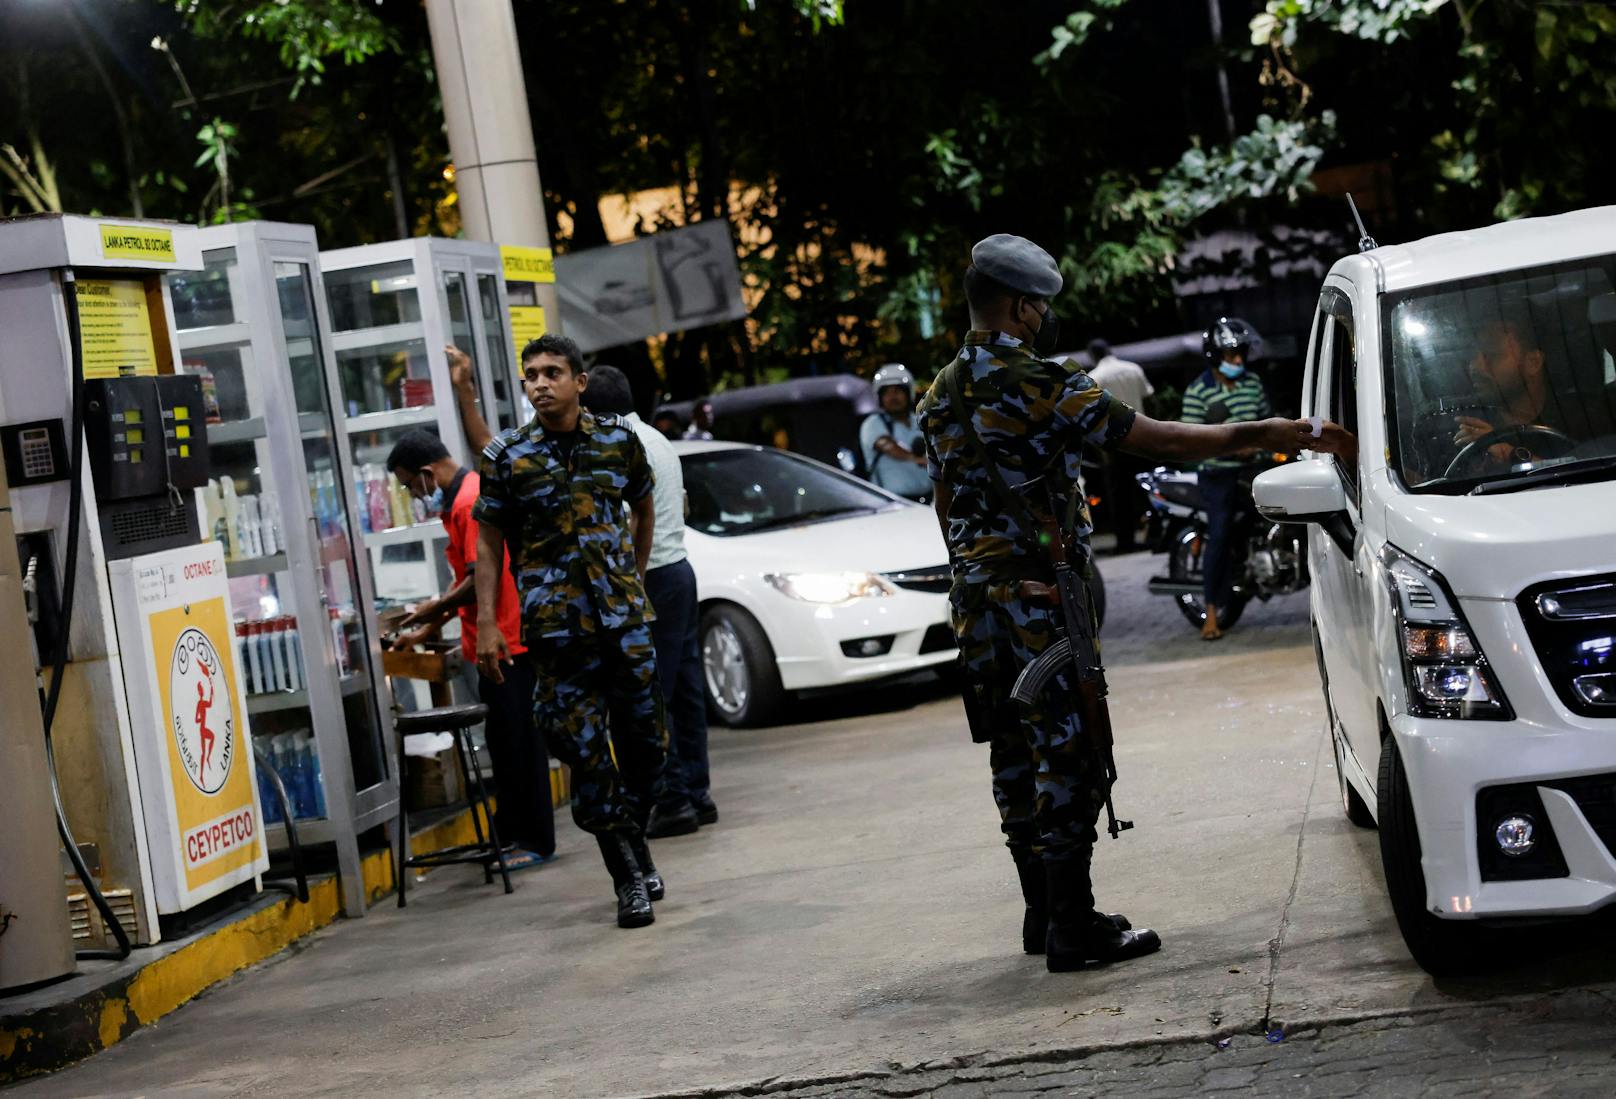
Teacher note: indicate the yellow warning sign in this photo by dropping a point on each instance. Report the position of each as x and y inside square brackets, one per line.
[214, 799]
[528, 264]
[137, 242]
[115, 328]
[527, 323]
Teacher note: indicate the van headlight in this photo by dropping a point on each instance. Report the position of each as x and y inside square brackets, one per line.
[829, 587]
[1444, 669]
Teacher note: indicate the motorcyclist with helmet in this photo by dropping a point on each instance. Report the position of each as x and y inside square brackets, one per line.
[1227, 392]
[891, 439]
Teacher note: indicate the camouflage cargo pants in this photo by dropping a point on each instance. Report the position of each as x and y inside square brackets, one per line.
[1048, 783]
[580, 681]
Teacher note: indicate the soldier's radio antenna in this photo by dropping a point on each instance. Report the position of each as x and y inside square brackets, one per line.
[1366, 243]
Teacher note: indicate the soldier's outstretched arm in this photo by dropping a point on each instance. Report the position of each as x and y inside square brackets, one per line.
[1174, 441]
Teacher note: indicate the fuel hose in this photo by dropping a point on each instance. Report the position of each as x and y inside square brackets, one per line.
[70, 571]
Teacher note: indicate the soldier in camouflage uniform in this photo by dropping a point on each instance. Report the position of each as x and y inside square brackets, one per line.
[1032, 416]
[554, 492]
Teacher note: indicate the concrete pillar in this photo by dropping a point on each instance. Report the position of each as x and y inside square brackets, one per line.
[479, 68]
[37, 942]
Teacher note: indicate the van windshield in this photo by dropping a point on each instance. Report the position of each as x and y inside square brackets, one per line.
[1499, 380]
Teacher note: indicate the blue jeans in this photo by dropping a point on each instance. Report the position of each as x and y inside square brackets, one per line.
[1224, 496]
[672, 592]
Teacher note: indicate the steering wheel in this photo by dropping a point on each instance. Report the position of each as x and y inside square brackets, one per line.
[1480, 445]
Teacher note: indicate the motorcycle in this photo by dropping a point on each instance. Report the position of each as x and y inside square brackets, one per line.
[1269, 558]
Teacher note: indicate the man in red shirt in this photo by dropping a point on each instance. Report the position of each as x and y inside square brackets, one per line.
[525, 815]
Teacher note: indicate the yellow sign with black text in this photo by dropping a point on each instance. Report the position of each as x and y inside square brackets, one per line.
[115, 328]
[137, 242]
[215, 807]
[527, 264]
[527, 323]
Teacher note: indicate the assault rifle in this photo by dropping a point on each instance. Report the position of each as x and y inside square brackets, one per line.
[1074, 649]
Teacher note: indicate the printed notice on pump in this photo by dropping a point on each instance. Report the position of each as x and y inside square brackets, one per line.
[115, 328]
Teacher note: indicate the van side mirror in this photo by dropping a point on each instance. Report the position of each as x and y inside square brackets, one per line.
[1300, 492]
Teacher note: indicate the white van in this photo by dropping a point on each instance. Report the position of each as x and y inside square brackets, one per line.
[1464, 570]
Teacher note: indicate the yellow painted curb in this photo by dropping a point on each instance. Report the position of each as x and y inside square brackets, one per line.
[56, 1036]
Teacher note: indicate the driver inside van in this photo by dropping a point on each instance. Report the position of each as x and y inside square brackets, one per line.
[1509, 371]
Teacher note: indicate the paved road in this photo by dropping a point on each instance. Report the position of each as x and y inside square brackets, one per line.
[851, 927]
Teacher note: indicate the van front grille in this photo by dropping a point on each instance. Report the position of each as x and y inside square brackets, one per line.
[1572, 624]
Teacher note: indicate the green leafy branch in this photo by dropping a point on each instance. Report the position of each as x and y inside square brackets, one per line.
[308, 32]
[1076, 29]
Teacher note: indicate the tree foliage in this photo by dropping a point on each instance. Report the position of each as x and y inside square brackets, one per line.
[859, 149]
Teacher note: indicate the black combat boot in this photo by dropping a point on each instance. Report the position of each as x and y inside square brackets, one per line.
[1078, 935]
[1035, 921]
[633, 904]
[653, 877]
[672, 822]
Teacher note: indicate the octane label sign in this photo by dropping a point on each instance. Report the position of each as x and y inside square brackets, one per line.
[137, 242]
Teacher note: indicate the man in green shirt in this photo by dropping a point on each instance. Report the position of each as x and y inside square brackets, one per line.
[1226, 393]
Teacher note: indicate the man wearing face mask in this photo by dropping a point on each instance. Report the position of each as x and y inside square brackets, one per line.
[1000, 415]
[524, 815]
[1226, 393]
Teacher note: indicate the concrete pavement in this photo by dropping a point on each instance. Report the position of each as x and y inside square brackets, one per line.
[854, 913]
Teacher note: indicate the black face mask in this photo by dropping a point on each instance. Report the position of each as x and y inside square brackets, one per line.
[1047, 338]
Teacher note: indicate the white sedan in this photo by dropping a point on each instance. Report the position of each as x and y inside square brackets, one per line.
[808, 578]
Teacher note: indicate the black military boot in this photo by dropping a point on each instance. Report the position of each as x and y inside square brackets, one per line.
[1035, 921]
[1078, 935]
[653, 877]
[633, 904]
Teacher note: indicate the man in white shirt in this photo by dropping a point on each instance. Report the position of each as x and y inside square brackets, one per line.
[1124, 501]
[683, 802]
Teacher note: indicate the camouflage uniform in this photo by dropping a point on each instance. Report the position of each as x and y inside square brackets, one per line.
[1033, 416]
[584, 612]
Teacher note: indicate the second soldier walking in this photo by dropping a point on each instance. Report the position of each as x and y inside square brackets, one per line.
[554, 491]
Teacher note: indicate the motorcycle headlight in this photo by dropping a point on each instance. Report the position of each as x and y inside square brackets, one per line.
[1444, 669]
[829, 587]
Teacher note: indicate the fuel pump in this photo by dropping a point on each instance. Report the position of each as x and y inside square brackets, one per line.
[104, 446]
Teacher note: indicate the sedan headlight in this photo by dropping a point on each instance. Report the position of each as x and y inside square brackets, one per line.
[1443, 667]
[829, 587]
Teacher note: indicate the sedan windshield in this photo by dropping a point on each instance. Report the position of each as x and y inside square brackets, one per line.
[1498, 379]
[742, 491]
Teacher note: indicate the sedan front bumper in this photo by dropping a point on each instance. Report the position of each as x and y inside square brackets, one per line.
[808, 638]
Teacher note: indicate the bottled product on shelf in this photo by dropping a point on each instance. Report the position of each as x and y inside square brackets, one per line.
[297, 762]
[339, 638]
[376, 500]
[248, 525]
[270, 653]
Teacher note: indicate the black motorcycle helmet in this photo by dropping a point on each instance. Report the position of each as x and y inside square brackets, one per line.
[1230, 334]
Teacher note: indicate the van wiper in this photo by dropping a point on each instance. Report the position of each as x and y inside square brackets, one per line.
[1586, 470]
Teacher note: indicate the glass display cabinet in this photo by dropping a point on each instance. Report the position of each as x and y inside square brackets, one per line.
[253, 325]
[394, 307]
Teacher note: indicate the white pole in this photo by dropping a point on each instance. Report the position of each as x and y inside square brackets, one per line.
[479, 68]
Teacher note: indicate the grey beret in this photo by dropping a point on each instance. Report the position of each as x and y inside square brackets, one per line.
[1018, 263]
